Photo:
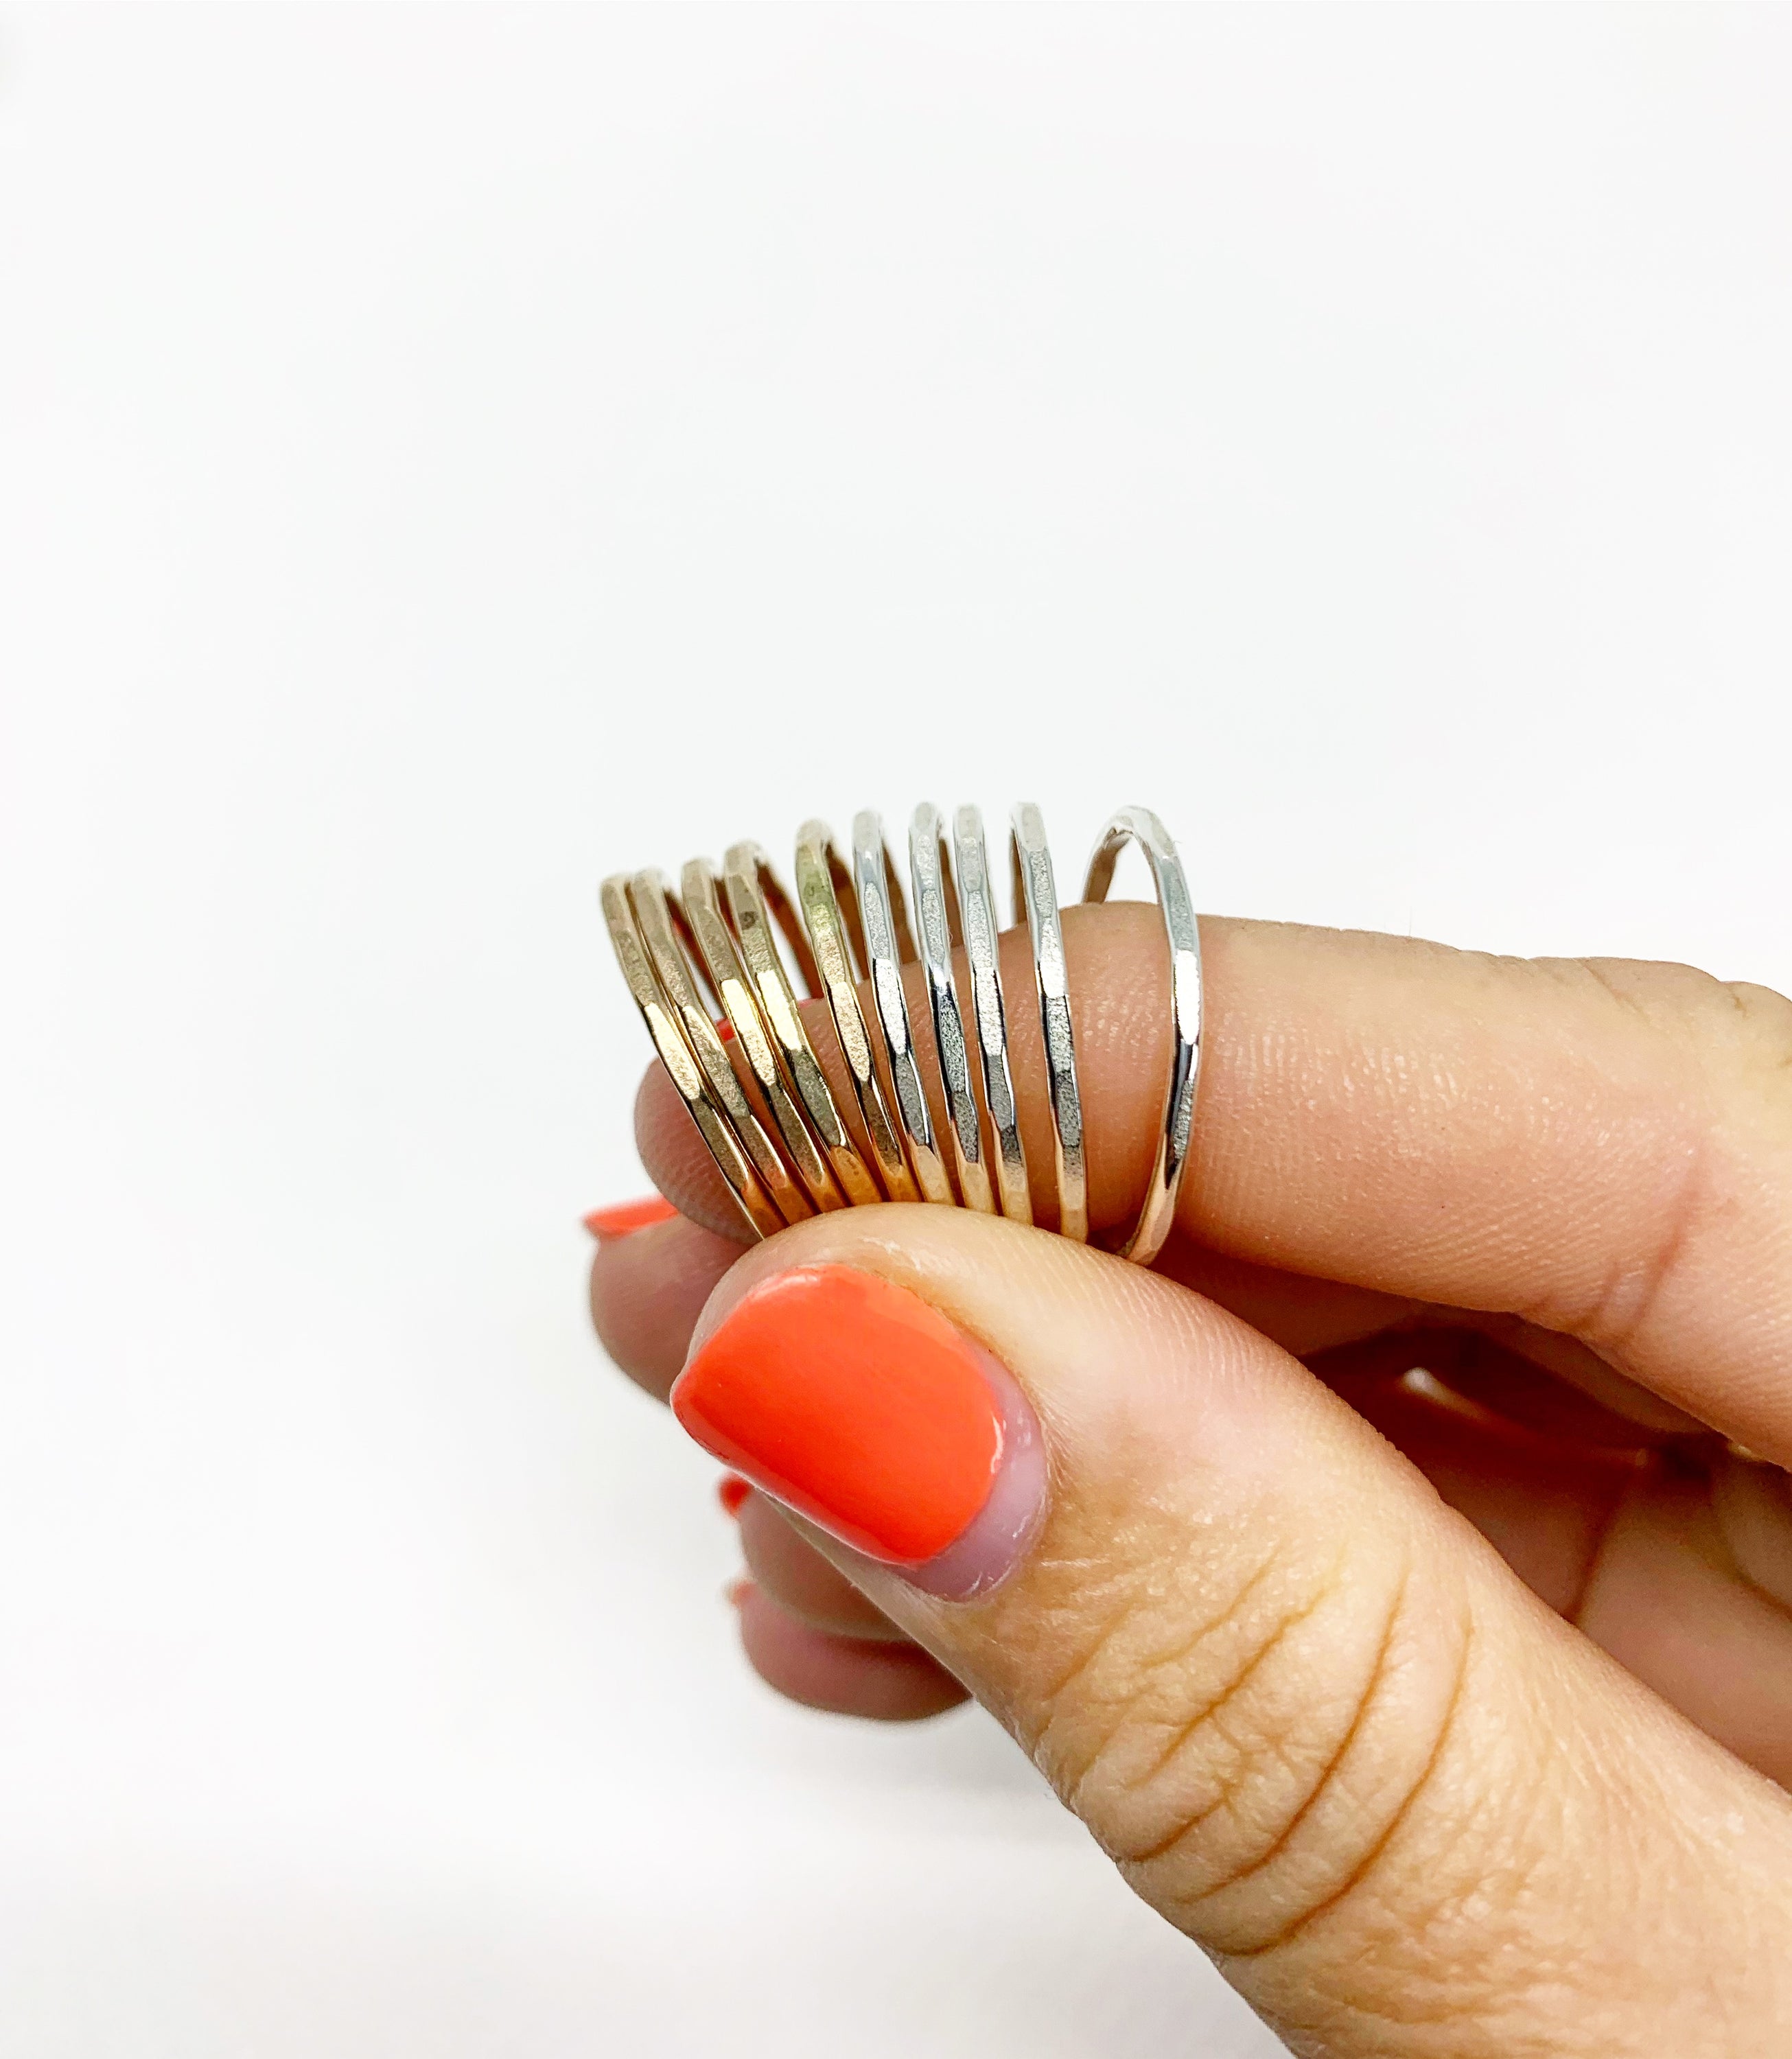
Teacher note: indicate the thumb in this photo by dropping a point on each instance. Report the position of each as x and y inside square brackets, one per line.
[1310, 1712]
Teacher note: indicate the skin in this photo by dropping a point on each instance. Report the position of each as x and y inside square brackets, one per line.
[1407, 1621]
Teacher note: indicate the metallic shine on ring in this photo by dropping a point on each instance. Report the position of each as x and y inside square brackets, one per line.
[1140, 825]
[976, 919]
[733, 987]
[711, 958]
[838, 942]
[756, 899]
[667, 935]
[675, 1054]
[938, 925]
[884, 924]
[1036, 889]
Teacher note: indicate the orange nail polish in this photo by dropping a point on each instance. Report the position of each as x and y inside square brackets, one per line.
[626, 1217]
[855, 1403]
[731, 1490]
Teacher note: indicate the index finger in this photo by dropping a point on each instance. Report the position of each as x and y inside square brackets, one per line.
[1602, 1147]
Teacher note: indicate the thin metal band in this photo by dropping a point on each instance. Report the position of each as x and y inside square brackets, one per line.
[756, 1204]
[673, 948]
[937, 928]
[715, 943]
[1036, 889]
[1140, 825]
[883, 918]
[834, 933]
[755, 899]
[980, 931]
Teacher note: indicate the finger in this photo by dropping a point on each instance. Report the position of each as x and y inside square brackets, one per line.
[787, 1569]
[1492, 1383]
[1545, 1505]
[621, 1218]
[1622, 1406]
[1316, 1721]
[647, 1291]
[1690, 1589]
[1602, 1149]
[892, 1684]
[1753, 1503]
[650, 1295]
[1666, 1600]
[1538, 1469]
[1305, 1315]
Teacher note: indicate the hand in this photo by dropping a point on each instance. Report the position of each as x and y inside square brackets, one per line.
[1379, 1577]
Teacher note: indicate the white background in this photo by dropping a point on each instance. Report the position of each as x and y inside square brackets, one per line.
[447, 455]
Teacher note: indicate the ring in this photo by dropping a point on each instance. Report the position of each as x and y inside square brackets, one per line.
[977, 917]
[1140, 826]
[672, 947]
[728, 977]
[883, 924]
[838, 942]
[686, 1075]
[939, 925]
[725, 952]
[1036, 889]
[756, 899]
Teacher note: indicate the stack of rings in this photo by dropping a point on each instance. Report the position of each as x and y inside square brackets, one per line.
[773, 1123]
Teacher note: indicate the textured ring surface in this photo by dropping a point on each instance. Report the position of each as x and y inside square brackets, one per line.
[733, 989]
[884, 923]
[756, 899]
[937, 924]
[668, 937]
[976, 919]
[1036, 889]
[675, 1054]
[830, 914]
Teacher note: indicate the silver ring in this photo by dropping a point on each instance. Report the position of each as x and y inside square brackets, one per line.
[1037, 891]
[883, 918]
[1140, 825]
[830, 914]
[976, 921]
[938, 925]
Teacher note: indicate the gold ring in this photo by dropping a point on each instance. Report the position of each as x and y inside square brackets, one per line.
[824, 889]
[672, 949]
[715, 941]
[680, 1061]
[756, 899]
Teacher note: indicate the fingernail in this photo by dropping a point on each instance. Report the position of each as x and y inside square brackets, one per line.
[737, 1590]
[731, 1490]
[859, 1405]
[625, 1217]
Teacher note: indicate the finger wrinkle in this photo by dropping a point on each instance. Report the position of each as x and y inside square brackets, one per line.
[1378, 1673]
[1212, 1714]
[1626, 1312]
[1352, 1883]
